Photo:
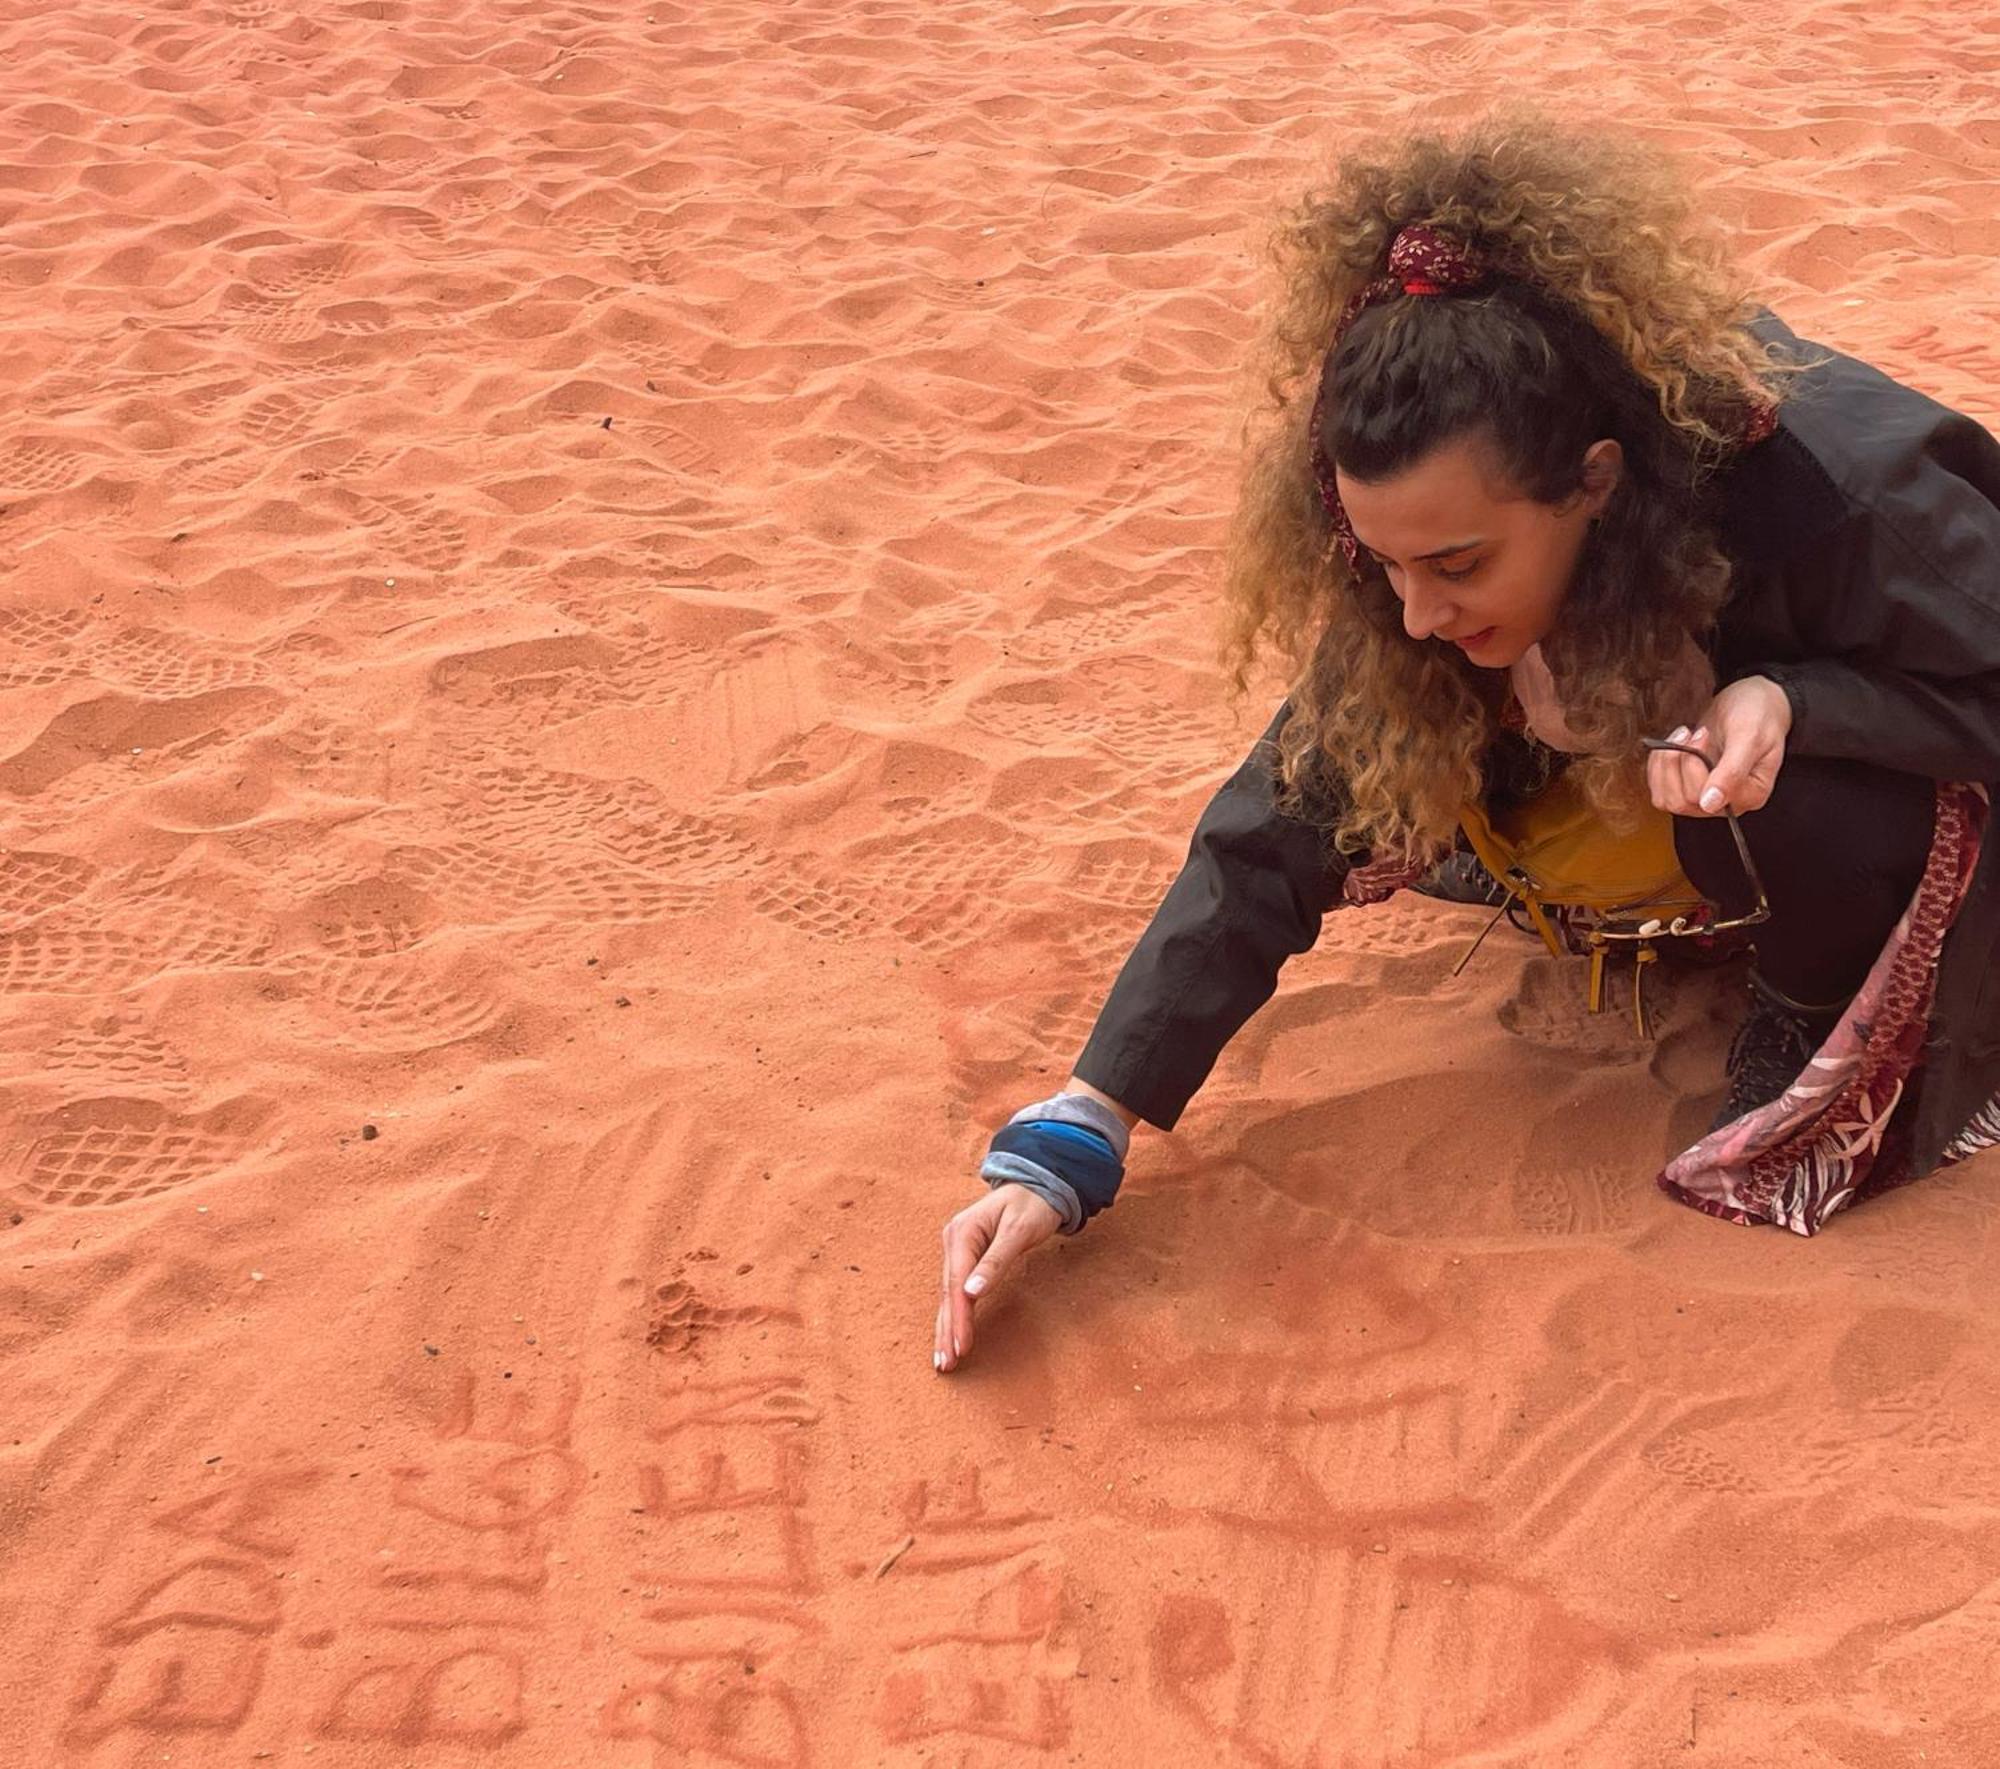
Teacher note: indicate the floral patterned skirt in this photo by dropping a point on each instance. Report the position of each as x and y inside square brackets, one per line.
[1836, 1135]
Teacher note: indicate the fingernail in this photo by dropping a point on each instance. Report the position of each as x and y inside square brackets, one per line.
[1679, 735]
[937, 1360]
[1711, 800]
[975, 1283]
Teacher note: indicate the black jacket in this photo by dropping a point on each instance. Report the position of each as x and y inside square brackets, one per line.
[1865, 534]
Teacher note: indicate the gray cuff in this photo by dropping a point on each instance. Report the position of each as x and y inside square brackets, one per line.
[1001, 1169]
[1080, 1108]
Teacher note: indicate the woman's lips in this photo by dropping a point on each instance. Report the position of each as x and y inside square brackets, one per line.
[1475, 641]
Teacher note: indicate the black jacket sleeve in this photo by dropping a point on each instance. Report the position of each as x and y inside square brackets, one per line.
[1895, 608]
[1253, 891]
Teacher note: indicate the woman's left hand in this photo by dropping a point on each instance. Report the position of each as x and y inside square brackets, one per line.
[1745, 728]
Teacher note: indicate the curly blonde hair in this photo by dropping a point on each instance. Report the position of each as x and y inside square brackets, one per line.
[1614, 313]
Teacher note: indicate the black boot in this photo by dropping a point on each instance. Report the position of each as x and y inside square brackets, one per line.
[1460, 877]
[1771, 1047]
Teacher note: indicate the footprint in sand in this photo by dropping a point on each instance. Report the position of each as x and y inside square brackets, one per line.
[369, 918]
[489, 885]
[1131, 874]
[32, 884]
[98, 1153]
[402, 1002]
[31, 464]
[1408, 1658]
[1574, 1176]
[116, 1053]
[275, 420]
[1058, 640]
[60, 957]
[1407, 925]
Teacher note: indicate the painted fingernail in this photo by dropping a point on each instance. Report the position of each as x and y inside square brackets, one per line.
[937, 1360]
[1711, 800]
[1679, 735]
[975, 1283]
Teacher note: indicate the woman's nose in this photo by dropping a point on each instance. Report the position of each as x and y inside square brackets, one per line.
[1424, 612]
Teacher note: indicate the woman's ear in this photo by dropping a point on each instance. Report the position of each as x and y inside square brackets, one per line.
[1603, 467]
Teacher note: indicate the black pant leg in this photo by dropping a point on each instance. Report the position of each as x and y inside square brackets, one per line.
[1841, 847]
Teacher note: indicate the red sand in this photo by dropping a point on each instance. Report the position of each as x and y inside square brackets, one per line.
[620, 597]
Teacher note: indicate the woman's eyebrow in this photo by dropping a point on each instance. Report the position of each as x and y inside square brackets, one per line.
[1442, 552]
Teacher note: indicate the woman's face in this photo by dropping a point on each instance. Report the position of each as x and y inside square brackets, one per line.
[1474, 562]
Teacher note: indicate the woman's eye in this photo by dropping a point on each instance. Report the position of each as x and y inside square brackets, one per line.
[1450, 577]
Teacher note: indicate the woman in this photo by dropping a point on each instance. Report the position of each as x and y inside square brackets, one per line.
[1540, 489]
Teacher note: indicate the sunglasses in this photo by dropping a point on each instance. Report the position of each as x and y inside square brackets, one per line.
[1696, 924]
[1761, 909]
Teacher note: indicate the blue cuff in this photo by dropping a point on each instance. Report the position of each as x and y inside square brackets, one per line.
[1082, 1157]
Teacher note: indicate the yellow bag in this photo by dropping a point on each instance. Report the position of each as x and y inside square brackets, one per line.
[1554, 852]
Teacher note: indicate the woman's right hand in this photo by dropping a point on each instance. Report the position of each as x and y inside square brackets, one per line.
[982, 1244]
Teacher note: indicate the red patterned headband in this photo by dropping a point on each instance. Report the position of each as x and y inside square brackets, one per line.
[1423, 261]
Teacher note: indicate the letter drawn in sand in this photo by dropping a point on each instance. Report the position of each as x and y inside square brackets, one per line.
[186, 1655]
[454, 1597]
[979, 1649]
[730, 1642]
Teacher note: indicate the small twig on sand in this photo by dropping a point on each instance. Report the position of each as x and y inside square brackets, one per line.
[895, 1554]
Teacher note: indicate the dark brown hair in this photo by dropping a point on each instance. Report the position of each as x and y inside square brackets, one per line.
[1612, 314]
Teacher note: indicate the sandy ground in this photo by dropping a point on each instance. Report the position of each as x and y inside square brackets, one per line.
[605, 646]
